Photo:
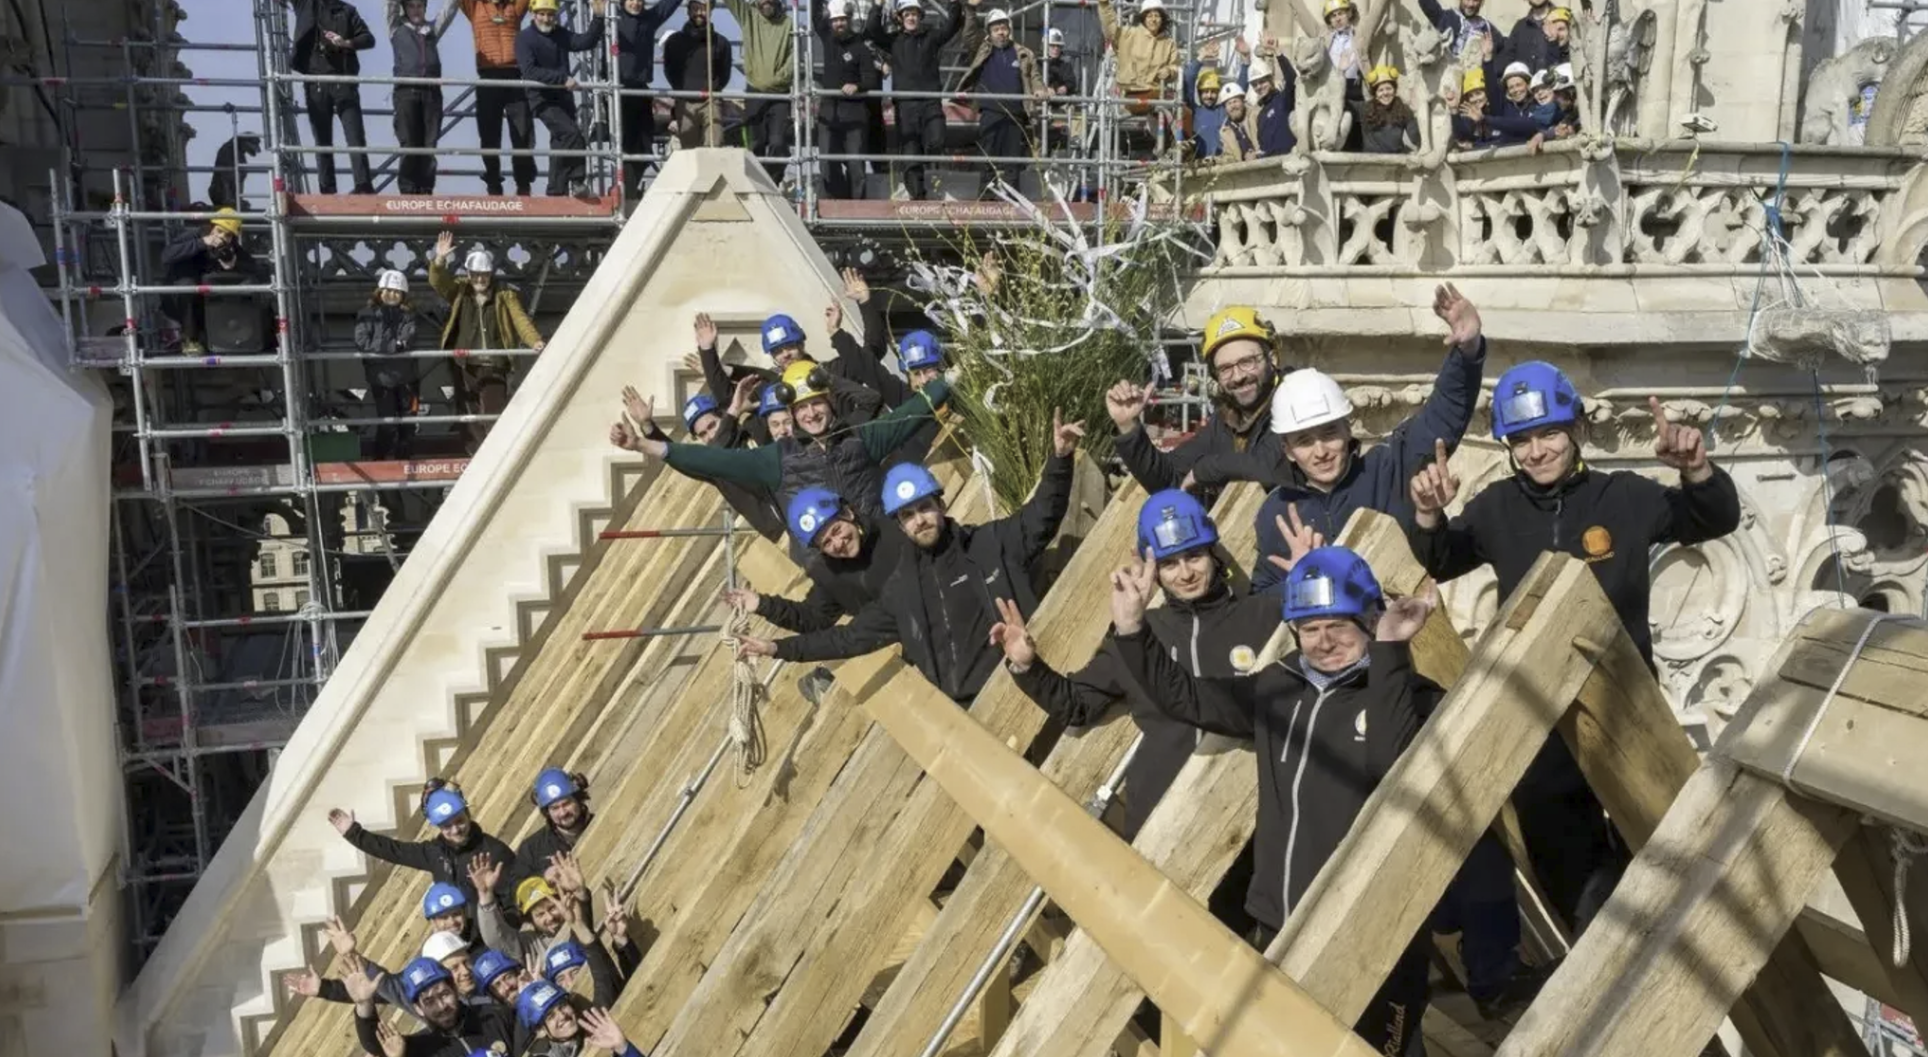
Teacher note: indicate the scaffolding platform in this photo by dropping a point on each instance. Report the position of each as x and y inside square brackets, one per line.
[445, 210]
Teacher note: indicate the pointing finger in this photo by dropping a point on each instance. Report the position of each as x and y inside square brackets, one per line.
[1439, 452]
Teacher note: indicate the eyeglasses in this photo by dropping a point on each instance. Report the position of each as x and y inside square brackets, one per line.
[1250, 364]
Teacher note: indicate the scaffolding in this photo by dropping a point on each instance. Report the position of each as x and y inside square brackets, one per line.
[250, 537]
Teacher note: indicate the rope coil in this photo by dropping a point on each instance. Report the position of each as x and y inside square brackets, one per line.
[746, 697]
[1907, 846]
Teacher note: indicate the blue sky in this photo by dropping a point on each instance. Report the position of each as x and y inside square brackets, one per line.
[215, 22]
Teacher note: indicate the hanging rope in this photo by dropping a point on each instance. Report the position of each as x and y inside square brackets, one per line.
[1907, 846]
[746, 695]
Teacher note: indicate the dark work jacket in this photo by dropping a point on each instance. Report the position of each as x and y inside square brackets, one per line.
[840, 586]
[1611, 521]
[1528, 43]
[533, 855]
[416, 52]
[389, 987]
[481, 1028]
[1458, 28]
[314, 55]
[1059, 73]
[185, 259]
[697, 60]
[1156, 470]
[913, 56]
[1377, 479]
[847, 59]
[545, 57]
[1320, 753]
[443, 861]
[1219, 636]
[758, 506]
[863, 364]
[1274, 117]
[386, 330]
[938, 604]
[636, 42]
[856, 403]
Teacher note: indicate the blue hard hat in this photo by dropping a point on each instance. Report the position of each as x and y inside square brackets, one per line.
[535, 1002]
[770, 402]
[920, 348]
[780, 330]
[554, 784]
[696, 407]
[810, 510]
[906, 483]
[443, 805]
[442, 898]
[1331, 582]
[1532, 395]
[1173, 522]
[420, 975]
[490, 964]
[563, 957]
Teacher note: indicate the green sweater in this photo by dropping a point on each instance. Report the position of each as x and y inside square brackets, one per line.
[763, 467]
[767, 47]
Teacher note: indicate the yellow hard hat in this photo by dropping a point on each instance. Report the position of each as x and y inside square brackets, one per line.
[1473, 81]
[1208, 84]
[530, 891]
[1383, 72]
[227, 220]
[1337, 5]
[806, 380]
[544, 5]
[1560, 14]
[1231, 324]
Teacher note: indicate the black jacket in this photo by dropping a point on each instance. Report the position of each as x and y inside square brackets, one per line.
[1612, 521]
[443, 861]
[697, 60]
[840, 586]
[544, 57]
[1219, 636]
[938, 604]
[481, 1028]
[1320, 753]
[532, 856]
[185, 259]
[1222, 434]
[313, 54]
[1528, 43]
[855, 402]
[913, 56]
[847, 59]
[863, 364]
[636, 42]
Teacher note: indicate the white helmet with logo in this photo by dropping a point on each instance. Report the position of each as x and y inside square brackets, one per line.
[1229, 91]
[392, 280]
[1150, 5]
[479, 260]
[839, 8]
[997, 15]
[1054, 35]
[1307, 398]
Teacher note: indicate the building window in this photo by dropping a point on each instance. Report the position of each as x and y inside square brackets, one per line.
[301, 599]
[268, 566]
[301, 563]
[271, 602]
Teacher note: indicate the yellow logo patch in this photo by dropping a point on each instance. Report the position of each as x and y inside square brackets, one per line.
[1597, 542]
[1243, 658]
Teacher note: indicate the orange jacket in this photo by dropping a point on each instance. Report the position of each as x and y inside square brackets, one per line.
[494, 24]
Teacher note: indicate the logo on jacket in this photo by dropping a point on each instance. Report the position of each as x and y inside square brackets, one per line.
[1597, 542]
[1243, 658]
[1359, 726]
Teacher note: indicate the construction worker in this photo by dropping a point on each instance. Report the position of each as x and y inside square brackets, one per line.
[495, 24]
[1612, 521]
[1566, 100]
[1276, 91]
[768, 61]
[1388, 125]
[1147, 53]
[415, 43]
[850, 74]
[453, 949]
[189, 259]
[1528, 42]
[384, 333]
[1205, 95]
[447, 856]
[1557, 28]
[498, 976]
[696, 58]
[1241, 351]
[782, 338]
[1464, 27]
[940, 603]
[483, 315]
[1325, 476]
[561, 1024]
[1343, 46]
[911, 46]
[707, 425]
[850, 557]
[1002, 67]
[327, 34]
[636, 24]
[453, 1027]
[1060, 74]
[821, 451]
[563, 799]
[1329, 720]
[553, 908]
[1235, 140]
[542, 53]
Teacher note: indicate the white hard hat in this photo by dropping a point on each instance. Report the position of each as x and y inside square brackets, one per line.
[1054, 35]
[997, 15]
[1229, 91]
[1542, 79]
[1563, 76]
[479, 260]
[1150, 5]
[441, 945]
[391, 279]
[839, 9]
[910, 5]
[1307, 398]
[1516, 69]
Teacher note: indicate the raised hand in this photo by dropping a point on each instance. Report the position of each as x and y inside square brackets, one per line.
[623, 437]
[741, 599]
[692, 363]
[1405, 616]
[1462, 319]
[484, 873]
[640, 411]
[855, 286]
[1679, 445]
[444, 244]
[355, 977]
[744, 397]
[1434, 488]
[1125, 402]
[1010, 635]
[616, 918]
[989, 272]
[306, 983]
[705, 331]
[568, 872]
[1131, 591]
[603, 1032]
[343, 821]
[1065, 435]
[393, 1045]
[339, 936]
[1301, 539]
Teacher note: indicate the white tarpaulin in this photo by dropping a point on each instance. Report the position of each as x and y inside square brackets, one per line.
[58, 770]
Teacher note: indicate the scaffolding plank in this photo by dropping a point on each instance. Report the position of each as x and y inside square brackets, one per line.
[807, 943]
[441, 209]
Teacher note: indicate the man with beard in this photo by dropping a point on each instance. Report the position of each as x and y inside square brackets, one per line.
[850, 74]
[913, 48]
[1241, 350]
[455, 1028]
[447, 857]
[636, 24]
[563, 799]
[850, 558]
[696, 58]
[542, 53]
[941, 601]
